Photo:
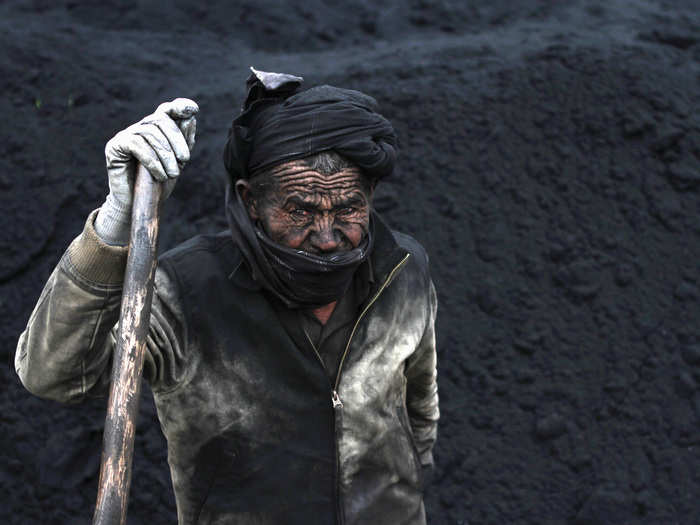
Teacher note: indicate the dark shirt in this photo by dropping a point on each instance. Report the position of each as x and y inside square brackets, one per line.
[329, 340]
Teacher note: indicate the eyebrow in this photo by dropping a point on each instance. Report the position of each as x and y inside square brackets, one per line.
[354, 200]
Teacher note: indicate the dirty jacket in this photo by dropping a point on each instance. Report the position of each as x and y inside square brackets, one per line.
[257, 433]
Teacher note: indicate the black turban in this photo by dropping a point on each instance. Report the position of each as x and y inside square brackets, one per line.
[278, 123]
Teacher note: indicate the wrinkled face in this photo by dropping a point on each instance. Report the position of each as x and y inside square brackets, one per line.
[307, 210]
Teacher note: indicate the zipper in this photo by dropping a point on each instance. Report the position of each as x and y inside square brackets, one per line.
[354, 328]
[336, 404]
[335, 398]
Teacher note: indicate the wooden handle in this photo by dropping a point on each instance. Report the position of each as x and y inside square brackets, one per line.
[134, 320]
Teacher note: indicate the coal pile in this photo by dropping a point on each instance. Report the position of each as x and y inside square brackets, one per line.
[550, 165]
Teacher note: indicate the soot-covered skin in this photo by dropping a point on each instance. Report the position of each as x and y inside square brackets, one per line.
[311, 211]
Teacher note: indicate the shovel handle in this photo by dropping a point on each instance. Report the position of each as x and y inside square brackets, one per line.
[134, 320]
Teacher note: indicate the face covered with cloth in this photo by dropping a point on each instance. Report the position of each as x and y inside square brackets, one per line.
[302, 166]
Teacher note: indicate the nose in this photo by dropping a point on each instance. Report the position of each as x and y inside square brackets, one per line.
[325, 239]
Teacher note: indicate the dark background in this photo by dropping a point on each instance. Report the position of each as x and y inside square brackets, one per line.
[550, 166]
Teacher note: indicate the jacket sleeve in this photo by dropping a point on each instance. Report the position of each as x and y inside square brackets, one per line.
[65, 352]
[421, 388]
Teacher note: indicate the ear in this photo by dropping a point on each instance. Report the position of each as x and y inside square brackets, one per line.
[243, 188]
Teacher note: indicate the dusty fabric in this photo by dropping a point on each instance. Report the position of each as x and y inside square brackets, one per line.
[280, 123]
[238, 398]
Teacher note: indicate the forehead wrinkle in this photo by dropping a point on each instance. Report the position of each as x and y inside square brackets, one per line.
[291, 167]
[317, 188]
[297, 171]
[295, 166]
[317, 177]
[336, 198]
[314, 184]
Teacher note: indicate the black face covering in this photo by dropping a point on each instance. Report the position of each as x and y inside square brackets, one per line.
[300, 279]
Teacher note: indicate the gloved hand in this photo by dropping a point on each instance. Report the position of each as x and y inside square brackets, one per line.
[162, 143]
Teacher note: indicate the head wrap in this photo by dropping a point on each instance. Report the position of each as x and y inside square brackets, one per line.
[279, 123]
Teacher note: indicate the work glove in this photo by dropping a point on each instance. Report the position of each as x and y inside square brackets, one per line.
[162, 143]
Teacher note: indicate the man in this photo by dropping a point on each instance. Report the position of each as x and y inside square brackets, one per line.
[292, 359]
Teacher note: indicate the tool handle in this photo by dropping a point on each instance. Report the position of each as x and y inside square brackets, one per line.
[134, 320]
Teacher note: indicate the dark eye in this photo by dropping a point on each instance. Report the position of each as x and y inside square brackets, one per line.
[300, 213]
[346, 211]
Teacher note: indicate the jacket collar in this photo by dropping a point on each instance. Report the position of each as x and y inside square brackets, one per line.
[386, 253]
[241, 277]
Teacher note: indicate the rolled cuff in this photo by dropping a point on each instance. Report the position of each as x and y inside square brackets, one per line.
[113, 222]
[94, 260]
